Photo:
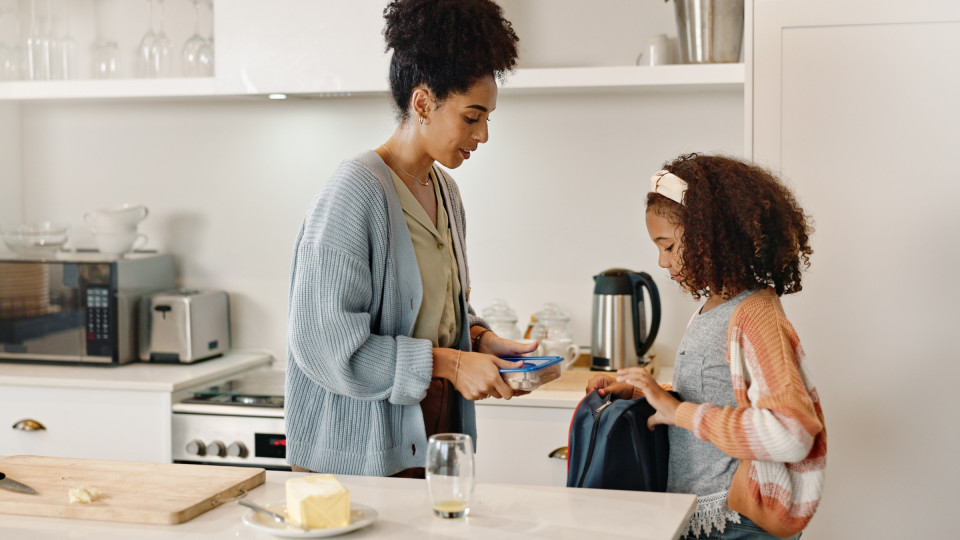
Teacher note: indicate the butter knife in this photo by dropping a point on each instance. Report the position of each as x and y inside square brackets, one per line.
[277, 518]
[13, 485]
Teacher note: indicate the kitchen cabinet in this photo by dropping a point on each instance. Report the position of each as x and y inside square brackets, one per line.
[121, 413]
[515, 439]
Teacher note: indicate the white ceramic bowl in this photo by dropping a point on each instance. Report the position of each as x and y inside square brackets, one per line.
[36, 239]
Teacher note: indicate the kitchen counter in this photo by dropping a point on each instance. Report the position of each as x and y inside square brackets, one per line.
[134, 376]
[498, 511]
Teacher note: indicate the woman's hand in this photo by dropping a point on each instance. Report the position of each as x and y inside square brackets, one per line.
[479, 377]
[491, 343]
[605, 384]
[474, 375]
[661, 400]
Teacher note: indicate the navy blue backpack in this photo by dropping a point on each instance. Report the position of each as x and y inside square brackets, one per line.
[611, 447]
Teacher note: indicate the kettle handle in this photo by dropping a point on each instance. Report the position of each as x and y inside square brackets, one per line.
[642, 280]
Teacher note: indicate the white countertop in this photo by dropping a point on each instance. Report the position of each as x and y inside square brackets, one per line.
[142, 376]
[498, 511]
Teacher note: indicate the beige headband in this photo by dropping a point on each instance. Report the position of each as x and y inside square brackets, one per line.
[669, 185]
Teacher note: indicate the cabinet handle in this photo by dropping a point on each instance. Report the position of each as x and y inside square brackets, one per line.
[28, 424]
[559, 453]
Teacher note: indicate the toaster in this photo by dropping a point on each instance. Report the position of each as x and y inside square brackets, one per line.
[184, 325]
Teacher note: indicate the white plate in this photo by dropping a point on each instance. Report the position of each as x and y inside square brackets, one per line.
[360, 516]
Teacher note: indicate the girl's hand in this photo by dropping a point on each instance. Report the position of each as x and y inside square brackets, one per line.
[661, 400]
[605, 384]
[479, 377]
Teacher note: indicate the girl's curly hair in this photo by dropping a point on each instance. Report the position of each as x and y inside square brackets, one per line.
[742, 228]
[447, 45]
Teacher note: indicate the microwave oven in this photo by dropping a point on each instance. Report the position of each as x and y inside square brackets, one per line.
[79, 308]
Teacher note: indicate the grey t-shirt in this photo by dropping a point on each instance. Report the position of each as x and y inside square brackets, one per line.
[701, 375]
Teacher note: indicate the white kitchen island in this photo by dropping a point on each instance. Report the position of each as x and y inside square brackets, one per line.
[403, 507]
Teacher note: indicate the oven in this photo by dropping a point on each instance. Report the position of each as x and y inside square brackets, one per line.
[239, 422]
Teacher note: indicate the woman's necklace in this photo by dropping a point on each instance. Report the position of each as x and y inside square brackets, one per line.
[397, 163]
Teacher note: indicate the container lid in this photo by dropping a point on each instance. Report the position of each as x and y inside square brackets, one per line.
[530, 363]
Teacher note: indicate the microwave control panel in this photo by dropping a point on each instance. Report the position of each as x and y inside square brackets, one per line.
[98, 307]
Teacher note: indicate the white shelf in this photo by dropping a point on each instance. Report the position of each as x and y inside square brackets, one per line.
[108, 89]
[655, 78]
[701, 76]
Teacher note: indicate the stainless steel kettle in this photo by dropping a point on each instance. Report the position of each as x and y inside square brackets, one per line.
[619, 336]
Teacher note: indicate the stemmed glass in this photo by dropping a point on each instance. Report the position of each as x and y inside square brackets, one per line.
[9, 54]
[153, 54]
[37, 47]
[64, 58]
[162, 47]
[106, 54]
[144, 51]
[197, 54]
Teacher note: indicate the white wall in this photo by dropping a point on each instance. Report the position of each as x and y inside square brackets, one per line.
[864, 122]
[11, 201]
[555, 196]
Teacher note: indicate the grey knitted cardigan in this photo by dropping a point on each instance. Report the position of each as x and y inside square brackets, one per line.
[355, 378]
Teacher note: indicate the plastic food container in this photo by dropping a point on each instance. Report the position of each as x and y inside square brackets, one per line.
[535, 371]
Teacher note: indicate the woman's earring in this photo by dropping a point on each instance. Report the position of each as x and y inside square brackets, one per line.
[421, 120]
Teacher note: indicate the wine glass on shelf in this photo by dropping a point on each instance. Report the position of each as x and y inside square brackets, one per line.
[197, 54]
[145, 50]
[162, 47]
[106, 52]
[37, 45]
[64, 50]
[9, 52]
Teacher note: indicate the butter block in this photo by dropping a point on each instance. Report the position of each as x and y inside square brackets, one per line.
[318, 501]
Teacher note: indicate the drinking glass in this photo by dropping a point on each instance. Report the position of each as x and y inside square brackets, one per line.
[162, 47]
[145, 50]
[64, 49]
[37, 44]
[106, 60]
[450, 474]
[9, 51]
[106, 53]
[197, 53]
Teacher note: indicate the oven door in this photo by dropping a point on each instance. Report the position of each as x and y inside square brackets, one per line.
[229, 439]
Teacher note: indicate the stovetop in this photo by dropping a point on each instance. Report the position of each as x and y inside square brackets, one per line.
[257, 388]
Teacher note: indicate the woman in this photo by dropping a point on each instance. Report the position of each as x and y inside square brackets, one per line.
[384, 348]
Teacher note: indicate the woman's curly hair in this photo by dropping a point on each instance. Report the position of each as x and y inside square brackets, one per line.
[742, 228]
[447, 45]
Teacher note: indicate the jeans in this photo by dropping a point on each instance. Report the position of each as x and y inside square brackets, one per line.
[745, 530]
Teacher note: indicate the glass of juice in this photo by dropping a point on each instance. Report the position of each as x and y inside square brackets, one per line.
[450, 474]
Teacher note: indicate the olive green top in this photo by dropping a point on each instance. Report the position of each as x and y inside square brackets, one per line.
[439, 316]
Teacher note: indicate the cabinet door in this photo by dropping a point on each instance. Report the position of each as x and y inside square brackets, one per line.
[514, 444]
[856, 104]
[96, 424]
[300, 46]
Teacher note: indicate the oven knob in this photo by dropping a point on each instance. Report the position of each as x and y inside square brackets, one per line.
[237, 449]
[216, 448]
[196, 447]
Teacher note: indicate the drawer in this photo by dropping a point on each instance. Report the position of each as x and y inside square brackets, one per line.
[86, 423]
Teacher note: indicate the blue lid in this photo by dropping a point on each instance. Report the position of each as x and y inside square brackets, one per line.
[530, 363]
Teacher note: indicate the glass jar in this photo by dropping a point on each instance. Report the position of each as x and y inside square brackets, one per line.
[502, 319]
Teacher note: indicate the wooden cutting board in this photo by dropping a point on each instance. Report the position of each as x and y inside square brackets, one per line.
[158, 493]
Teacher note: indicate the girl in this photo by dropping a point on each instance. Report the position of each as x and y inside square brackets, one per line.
[384, 348]
[747, 436]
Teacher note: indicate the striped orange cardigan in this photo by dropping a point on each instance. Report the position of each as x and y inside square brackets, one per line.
[776, 430]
